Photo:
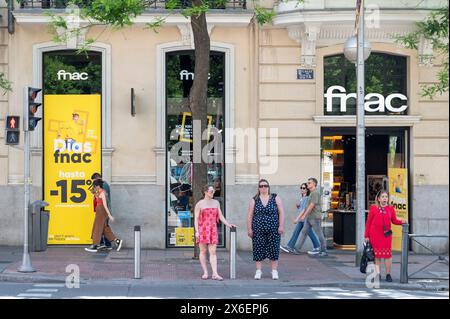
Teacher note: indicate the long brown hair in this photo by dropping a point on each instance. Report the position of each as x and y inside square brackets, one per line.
[380, 192]
[260, 181]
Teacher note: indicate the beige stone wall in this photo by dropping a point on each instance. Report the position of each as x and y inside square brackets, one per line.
[288, 105]
[133, 55]
[4, 58]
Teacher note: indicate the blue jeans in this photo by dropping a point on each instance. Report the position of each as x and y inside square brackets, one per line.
[296, 233]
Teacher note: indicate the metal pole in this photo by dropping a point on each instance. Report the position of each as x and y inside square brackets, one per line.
[26, 259]
[137, 252]
[360, 142]
[233, 253]
[405, 254]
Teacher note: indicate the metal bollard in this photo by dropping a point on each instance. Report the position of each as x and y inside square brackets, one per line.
[137, 252]
[405, 253]
[233, 253]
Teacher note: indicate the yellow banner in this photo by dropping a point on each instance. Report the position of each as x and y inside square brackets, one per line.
[72, 153]
[184, 236]
[398, 191]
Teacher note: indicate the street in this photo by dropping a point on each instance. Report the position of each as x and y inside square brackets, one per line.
[189, 291]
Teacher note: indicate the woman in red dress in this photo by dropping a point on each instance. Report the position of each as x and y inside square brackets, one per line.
[206, 216]
[378, 231]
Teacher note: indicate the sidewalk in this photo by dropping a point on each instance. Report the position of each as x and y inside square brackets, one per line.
[172, 266]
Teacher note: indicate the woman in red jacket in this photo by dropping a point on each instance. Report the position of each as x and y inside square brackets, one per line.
[379, 233]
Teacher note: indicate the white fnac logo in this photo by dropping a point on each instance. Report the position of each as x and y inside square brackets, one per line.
[375, 102]
[75, 76]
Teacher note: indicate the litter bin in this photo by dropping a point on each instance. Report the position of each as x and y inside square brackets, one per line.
[39, 226]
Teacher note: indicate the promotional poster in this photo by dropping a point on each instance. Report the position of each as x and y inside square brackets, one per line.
[72, 153]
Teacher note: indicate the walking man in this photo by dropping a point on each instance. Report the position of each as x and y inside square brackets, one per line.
[104, 243]
[311, 217]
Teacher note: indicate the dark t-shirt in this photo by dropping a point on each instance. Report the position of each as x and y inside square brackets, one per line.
[314, 198]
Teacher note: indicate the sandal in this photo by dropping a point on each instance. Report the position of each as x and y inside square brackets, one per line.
[217, 278]
[204, 277]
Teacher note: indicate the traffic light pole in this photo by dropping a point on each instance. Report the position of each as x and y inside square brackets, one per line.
[26, 259]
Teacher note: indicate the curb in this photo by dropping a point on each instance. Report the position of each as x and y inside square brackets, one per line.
[20, 278]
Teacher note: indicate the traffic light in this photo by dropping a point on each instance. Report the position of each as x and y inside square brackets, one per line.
[12, 135]
[30, 108]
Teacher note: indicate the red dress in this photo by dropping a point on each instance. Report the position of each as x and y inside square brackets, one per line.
[375, 232]
[207, 226]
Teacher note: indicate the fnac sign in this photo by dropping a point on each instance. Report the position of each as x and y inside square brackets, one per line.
[374, 102]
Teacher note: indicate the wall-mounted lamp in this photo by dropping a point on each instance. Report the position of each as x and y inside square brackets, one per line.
[133, 102]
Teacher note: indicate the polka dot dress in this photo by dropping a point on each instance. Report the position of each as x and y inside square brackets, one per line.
[266, 240]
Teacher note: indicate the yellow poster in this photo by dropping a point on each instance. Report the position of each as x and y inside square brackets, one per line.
[184, 236]
[72, 153]
[398, 191]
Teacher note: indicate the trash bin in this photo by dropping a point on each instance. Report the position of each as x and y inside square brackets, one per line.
[39, 226]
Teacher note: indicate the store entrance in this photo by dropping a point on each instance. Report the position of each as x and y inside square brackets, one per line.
[386, 153]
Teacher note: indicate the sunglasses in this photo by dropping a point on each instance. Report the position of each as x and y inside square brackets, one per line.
[302, 187]
[263, 186]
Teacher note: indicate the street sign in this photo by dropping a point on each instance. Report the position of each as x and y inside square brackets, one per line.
[305, 74]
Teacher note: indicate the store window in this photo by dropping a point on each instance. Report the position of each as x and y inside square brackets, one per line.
[179, 79]
[66, 72]
[385, 85]
[386, 168]
[385, 148]
[72, 141]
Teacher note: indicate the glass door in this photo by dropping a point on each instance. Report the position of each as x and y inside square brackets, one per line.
[179, 142]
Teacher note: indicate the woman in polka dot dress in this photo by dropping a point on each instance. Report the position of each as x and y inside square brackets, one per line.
[265, 218]
[378, 231]
[206, 216]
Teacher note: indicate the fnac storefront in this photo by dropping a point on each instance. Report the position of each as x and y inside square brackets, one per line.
[386, 146]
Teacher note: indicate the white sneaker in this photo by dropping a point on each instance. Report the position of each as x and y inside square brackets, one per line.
[315, 251]
[275, 275]
[258, 274]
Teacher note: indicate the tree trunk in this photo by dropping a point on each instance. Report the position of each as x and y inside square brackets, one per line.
[198, 103]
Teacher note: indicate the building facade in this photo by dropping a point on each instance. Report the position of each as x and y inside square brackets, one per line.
[280, 95]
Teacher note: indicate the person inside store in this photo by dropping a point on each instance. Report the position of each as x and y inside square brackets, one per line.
[207, 214]
[102, 214]
[265, 219]
[379, 233]
[301, 206]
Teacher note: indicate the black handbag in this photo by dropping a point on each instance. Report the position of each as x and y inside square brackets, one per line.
[367, 256]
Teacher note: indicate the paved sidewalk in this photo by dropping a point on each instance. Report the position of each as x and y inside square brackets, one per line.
[172, 266]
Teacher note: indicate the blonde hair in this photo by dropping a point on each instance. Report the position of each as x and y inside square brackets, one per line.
[380, 192]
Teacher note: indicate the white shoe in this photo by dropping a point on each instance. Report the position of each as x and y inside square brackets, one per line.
[275, 275]
[315, 251]
[258, 274]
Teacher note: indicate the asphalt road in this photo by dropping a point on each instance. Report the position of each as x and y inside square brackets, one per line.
[151, 291]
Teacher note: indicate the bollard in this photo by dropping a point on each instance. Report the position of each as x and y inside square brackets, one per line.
[233, 253]
[405, 253]
[137, 252]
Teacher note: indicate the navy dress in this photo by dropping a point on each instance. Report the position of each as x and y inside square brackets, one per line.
[266, 240]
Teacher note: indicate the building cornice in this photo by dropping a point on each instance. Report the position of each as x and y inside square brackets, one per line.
[233, 19]
[371, 120]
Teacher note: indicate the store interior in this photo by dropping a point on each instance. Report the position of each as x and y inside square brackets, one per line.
[385, 148]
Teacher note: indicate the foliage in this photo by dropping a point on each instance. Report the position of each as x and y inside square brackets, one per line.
[434, 29]
[5, 85]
